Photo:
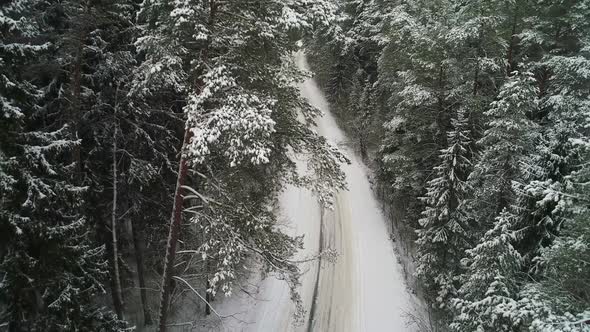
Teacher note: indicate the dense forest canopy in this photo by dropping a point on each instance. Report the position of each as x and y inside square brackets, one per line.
[475, 116]
[97, 98]
[146, 142]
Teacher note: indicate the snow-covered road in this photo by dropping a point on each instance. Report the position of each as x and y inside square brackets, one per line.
[364, 290]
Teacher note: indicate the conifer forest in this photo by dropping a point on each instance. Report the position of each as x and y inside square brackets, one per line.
[295, 165]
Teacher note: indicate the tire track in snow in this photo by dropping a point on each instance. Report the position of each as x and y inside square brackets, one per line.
[334, 307]
[365, 290]
[336, 303]
[315, 295]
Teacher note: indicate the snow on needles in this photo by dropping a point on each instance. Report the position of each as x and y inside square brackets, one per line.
[240, 122]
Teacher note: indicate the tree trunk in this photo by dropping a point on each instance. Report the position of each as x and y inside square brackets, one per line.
[363, 148]
[75, 90]
[443, 116]
[173, 233]
[476, 71]
[476, 78]
[147, 318]
[117, 293]
[207, 266]
[208, 297]
[75, 110]
[510, 54]
[176, 217]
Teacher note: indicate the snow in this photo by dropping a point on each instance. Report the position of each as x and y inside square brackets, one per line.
[375, 286]
[364, 290]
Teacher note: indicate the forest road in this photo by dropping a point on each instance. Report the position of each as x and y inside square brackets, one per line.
[364, 290]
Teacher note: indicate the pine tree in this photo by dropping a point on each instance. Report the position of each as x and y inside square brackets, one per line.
[241, 117]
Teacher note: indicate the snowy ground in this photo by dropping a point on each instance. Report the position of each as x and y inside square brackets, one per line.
[363, 291]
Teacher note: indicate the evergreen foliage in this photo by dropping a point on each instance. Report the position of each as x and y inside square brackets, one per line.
[487, 229]
[444, 233]
[474, 115]
[94, 99]
[51, 266]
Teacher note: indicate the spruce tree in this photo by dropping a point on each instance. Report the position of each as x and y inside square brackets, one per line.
[419, 74]
[52, 270]
[506, 141]
[518, 70]
[487, 297]
[444, 234]
[560, 64]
